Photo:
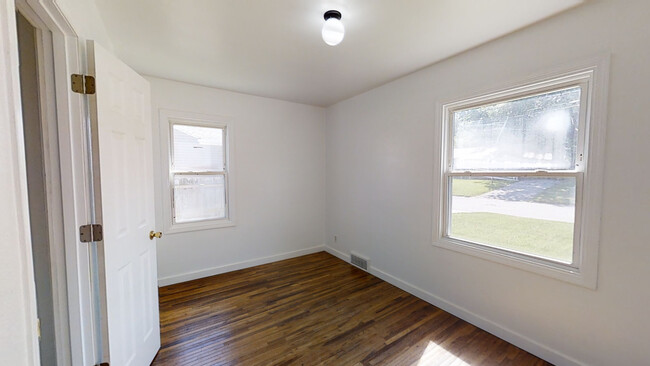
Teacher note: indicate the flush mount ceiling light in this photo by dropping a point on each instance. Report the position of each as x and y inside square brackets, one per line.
[333, 30]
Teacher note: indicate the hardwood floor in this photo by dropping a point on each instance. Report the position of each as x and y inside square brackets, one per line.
[316, 310]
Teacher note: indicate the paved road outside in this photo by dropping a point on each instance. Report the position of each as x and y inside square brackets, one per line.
[523, 190]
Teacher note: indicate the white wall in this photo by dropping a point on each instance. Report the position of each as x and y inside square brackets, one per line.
[86, 20]
[380, 154]
[280, 183]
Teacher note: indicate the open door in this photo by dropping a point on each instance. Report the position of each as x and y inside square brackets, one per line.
[122, 157]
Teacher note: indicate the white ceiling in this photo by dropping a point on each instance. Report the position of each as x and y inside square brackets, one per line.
[274, 48]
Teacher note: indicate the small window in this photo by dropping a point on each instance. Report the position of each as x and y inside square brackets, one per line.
[200, 180]
[199, 173]
[514, 171]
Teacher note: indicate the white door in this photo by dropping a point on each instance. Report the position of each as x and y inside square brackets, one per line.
[122, 111]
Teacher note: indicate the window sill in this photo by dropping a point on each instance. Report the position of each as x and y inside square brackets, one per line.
[539, 266]
[198, 226]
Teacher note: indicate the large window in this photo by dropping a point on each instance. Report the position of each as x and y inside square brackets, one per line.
[199, 179]
[514, 171]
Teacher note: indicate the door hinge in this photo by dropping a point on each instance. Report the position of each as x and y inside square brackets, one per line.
[90, 233]
[38, 327]
[83, 84]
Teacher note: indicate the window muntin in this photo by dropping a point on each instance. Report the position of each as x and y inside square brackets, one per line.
[513, 172]
[199, 173]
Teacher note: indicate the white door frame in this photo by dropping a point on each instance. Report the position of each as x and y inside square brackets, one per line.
[68, 189]
[14, 219]
[52, 174]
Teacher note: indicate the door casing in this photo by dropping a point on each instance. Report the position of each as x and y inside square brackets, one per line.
[63, 54]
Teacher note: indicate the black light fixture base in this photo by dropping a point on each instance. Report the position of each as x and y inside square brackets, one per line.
[332, 14]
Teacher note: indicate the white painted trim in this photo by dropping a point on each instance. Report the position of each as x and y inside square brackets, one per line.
[538, 349]
[52, 174]
[198, 226]
[14, 195]
[70, 118]
[188, 276]
[166, 118]
[594, 73]
[54, 201]
[76, 197]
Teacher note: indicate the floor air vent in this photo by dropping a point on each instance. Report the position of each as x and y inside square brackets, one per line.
[359, 261]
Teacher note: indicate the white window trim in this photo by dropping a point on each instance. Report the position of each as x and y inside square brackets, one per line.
[584, 271]
[167, 119]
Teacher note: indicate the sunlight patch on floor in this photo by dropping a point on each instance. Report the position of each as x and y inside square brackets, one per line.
[437, 355]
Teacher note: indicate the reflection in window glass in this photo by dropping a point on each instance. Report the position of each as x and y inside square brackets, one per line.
[199, 197]
[198, 148]
[527, 215]
[536, 132]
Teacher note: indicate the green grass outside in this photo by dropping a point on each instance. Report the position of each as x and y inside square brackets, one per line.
[476, 187]
[549, 239]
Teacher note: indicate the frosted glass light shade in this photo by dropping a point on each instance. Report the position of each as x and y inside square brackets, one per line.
[333, 31]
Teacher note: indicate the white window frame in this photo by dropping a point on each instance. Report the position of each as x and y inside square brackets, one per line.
[170, 118]
[592, 78]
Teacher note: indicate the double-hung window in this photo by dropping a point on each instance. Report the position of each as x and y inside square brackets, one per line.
[199, 173]
[514, 168]
[199, 181]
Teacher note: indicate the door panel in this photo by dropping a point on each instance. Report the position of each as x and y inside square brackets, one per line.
[122, 109]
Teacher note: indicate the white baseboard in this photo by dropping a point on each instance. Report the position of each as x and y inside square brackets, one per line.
[519, 340]
[188, 276]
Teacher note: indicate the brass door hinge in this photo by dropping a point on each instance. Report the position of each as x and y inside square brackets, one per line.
[90, 233]
[38, 327]
[83, 84]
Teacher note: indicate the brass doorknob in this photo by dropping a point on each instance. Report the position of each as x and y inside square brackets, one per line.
[153, 234]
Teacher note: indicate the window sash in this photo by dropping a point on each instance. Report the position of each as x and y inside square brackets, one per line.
[172, 186]
[447, 211]
[583, 81]
[173, 172]
[224, 144]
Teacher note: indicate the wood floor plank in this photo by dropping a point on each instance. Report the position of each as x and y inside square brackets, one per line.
[316, 310]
